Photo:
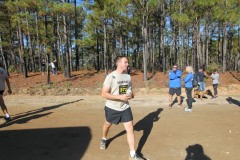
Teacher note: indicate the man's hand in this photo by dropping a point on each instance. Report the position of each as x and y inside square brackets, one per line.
[125, 97]
[9, 91]
[132, 95]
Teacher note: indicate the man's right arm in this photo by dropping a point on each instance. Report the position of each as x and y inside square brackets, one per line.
[9, 86]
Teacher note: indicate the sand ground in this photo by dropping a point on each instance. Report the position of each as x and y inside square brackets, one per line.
[70, 127]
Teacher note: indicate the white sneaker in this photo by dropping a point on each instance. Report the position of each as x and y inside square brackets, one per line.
[136, 157]
[188, 110]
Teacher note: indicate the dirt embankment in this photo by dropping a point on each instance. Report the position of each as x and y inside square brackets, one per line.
[90, 83]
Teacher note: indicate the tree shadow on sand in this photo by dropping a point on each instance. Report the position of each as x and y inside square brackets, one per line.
[196, 152]
[145, 125]
[33, 114]
[67, 143]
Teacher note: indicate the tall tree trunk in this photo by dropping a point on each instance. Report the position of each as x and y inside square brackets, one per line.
[76, 37]
[194, 47]
[224, 47]
[98, 54]
[37, 41]
[238, 59]
[113, 45]
[198, 43]
[153, 49]
[60, 44]
[21, 51]
[145, 45]
[66, 49]
[30, 42]
[219, 44]
[163, 40]
[105, 57]
[187, 49]
[160, 53]
[47, 52]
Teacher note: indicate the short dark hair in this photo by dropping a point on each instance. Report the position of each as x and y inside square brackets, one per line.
[175, 65]
[119, 57]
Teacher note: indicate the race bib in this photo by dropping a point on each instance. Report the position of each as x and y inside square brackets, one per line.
[123, 89]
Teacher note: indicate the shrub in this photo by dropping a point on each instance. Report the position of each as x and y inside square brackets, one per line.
[213, 66]
[12, 69]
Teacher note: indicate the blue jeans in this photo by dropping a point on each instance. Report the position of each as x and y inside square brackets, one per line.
[201, 86]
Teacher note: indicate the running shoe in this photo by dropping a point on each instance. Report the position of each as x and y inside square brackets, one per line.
[170, 106]
[103, 144]
[188, 110]
[135, 157]
[7, 119]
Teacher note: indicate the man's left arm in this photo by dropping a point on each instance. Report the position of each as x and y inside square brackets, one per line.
[179, 73]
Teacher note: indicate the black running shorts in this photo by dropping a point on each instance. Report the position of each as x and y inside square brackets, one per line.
[176, 91]
[116, 117]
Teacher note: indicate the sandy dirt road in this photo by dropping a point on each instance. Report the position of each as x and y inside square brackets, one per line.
[70, 127]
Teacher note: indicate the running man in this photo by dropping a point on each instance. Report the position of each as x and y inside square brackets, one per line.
[117, 89]
[4, 77]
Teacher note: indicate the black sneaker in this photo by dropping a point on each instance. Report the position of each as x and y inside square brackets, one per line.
[103, 144]
[7, 119]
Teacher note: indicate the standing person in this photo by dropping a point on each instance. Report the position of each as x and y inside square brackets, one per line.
[175, 85]
[43, 65]
[53, 68]
[200, 78]
[4, 78]
[215, 82]
[55, 63]
[117, 90]
[189, 86]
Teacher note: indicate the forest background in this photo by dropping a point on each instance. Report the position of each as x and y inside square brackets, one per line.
[87, 34]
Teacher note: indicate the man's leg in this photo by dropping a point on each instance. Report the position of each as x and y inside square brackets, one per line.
[131, 140]
[106, 127]
[130, 134]
[179, 98]
[215, 90]
[4, 109]
[170, 100]
[189, 97]
[3, 106]
[179, 101]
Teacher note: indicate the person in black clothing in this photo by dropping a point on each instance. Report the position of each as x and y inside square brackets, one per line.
[200, 78]
[43, 65]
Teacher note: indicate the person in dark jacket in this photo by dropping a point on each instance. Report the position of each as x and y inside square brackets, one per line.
[43, 65]
[189, 86]
[200, 78]
[175, 85]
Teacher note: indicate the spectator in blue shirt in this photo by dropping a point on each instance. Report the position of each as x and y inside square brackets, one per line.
[189, 86]
[175, 85]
